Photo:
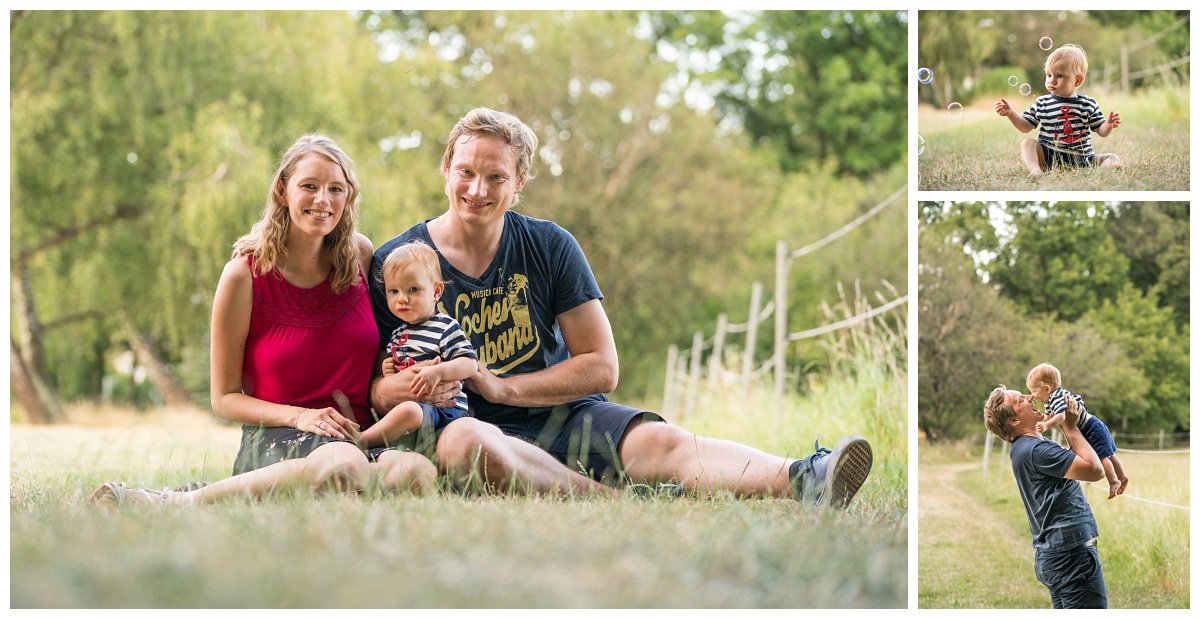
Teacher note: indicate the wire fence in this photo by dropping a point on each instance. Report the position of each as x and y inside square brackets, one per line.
[1127, 77]
[686, 371]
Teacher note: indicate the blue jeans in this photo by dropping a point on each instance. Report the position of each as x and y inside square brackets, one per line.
[1074, 577]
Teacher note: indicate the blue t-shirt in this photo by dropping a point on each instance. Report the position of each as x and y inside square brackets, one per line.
[1060, 517]
[510, 313]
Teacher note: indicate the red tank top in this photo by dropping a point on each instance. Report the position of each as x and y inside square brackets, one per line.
[307, 345]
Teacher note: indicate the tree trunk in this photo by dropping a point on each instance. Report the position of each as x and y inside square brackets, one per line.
[41, 407]
[160, 374]
[28, 364]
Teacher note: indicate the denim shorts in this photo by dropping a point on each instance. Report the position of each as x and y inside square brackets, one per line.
[583, 435]
[1073, 576]
[1098, 436]
[1071, 160]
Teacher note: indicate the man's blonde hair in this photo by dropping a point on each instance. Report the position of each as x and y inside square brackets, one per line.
[1045, 374]
[482, 121]
[998, 414]
[1073, 54]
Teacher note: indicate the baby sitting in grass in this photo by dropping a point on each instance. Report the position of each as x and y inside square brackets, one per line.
[1045, 383]
[1065, 119]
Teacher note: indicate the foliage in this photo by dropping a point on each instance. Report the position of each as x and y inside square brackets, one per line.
[968, 336]
[961, 47]
[1060, 259]
[833, 87]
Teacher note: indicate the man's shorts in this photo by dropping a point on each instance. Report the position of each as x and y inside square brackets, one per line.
[1068, 160]
[1098, 436]
[583, 435]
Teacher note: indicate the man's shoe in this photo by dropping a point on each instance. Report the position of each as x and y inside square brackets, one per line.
[647, 492]
[832, 477]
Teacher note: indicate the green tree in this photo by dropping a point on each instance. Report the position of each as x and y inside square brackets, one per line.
[1060, 259]
[806, 85]
[1155, 346]
[969, 339]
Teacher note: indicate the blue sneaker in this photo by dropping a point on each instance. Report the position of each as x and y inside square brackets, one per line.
[832, 477]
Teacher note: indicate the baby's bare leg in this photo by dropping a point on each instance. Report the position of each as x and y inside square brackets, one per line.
[1119, 471]
[1031, 156]
[1114, 484]
[1108, 160]
[403, 418]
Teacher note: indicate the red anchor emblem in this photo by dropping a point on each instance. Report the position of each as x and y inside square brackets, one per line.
[1069, 136]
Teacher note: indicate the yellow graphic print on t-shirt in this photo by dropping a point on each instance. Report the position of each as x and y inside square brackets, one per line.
[497, 322]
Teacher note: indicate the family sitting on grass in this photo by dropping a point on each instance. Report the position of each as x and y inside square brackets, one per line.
[1065, 534]
[313, 333]
[1064, 118]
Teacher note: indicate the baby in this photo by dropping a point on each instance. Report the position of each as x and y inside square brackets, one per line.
[412, 281]
[1045, 384]
[1064, 117]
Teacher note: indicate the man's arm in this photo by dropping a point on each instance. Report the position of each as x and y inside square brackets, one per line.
[1086, 466]
[592, 367]
[388, 391]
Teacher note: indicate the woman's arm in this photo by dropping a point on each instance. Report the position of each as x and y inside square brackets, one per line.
[232, 305]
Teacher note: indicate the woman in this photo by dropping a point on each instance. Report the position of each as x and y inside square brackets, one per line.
[293, 344]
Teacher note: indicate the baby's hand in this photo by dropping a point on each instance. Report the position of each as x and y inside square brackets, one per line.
[1002, 108]
[1041, 427]
[389, 366]
[425, 381]
[1114, 120]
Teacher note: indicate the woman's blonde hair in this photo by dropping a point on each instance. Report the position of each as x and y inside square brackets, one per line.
[267, 240]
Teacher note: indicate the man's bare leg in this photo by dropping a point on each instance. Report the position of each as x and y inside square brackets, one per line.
[469, 449]
[656, 452]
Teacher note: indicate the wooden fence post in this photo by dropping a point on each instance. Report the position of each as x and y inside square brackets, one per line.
[694, 377]
[669, 386]
[715, 362]
[751, 336]
[987, 451]
[781, 268]
[1125, 69]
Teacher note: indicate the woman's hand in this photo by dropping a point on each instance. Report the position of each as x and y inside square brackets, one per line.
[326, 422]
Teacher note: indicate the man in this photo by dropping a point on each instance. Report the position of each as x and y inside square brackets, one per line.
[1060, 519]
[525, 296]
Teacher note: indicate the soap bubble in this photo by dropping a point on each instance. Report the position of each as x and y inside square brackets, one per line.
[920, 145]
[1012, 80]
[1046, 43]
[955, 110]
[924, 75]
[1026, 89]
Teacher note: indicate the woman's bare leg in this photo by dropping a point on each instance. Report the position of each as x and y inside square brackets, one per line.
[406, 471]
[332, 467]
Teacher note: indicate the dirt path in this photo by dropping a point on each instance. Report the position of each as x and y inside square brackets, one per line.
[963, 545]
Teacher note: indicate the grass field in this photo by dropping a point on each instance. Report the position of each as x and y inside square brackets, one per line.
[980, 150]
[974, 548]
[298, 551]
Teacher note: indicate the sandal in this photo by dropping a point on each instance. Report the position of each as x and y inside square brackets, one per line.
[116, 493]
[190, 486]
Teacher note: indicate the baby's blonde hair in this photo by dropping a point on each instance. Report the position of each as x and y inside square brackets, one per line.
[1046, 374]
[1071, 53]
[413, 253]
